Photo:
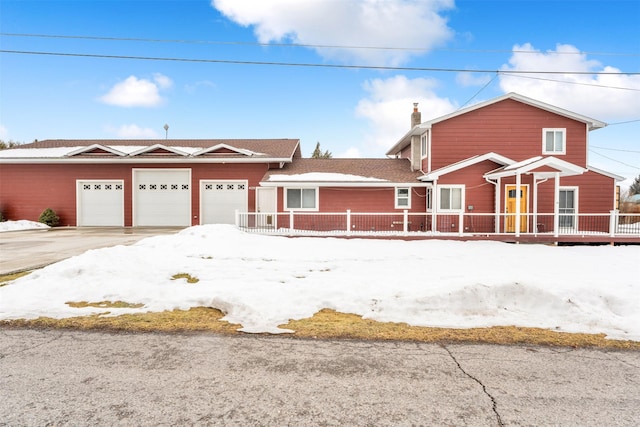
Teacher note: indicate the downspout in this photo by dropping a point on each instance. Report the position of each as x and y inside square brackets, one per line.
[429, 151]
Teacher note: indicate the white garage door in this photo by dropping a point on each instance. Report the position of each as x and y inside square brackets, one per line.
[100, 203]
[161, 197]
[220, 199]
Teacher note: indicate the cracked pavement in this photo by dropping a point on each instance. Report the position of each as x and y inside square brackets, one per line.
[52, 377]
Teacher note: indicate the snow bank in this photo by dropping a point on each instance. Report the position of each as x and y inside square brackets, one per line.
[261, 282]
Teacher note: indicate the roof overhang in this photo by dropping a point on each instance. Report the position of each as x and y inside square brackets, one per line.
[406, 139]
[95, 147]
[137, 159]
[531, 167]
[218, 147]
[605, 173]
[494, 157]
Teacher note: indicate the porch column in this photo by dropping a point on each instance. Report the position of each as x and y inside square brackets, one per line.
[556, 204]
[434, 206]
[518, 184]
[535, 205]
[498, 202]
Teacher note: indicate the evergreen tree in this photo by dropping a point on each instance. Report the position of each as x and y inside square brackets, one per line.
[318, 154]
[7, 144]
[635, 187]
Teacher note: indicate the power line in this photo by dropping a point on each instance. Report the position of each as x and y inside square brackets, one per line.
[318, 46]
[614, 160]
[614, 149]
[299, 64]
[624, 123]
[481, 89]
[570, 82]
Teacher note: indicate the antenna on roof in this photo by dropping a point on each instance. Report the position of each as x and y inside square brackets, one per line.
[166, 131]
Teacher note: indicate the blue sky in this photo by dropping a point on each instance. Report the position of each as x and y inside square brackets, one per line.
[353, 112]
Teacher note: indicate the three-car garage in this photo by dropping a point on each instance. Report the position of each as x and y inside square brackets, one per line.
[160, 198]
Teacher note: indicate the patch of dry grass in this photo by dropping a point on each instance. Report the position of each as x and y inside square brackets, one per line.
[200, 319]
[331, 324]
[187, 276]
[103, 304]
[7, 278]
[323, 325]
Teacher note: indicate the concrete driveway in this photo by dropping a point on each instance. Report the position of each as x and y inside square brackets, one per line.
[30, 249]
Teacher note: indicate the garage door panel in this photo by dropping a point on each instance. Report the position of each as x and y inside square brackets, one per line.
[220, 199]
[100, 203]
[162, 197]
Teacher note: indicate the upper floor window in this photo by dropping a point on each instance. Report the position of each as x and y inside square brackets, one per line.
[554, 141]
[301, 198]
[423, 145]
[403, 198]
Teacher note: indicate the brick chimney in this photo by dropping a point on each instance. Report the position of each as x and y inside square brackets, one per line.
[416, 117]
[416, 159]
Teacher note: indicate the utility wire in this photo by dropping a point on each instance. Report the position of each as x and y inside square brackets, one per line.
[326, 46]
[299, 64]
[478, 92]
[614, 160]
[507, 73]
[614, 149]
[623, 123]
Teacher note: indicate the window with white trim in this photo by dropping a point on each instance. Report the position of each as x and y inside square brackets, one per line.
[423, 145]
[554, 141]
[301, 198]
[450, 198]
[403, 198]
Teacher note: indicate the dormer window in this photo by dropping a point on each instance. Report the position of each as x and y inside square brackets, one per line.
[554, 141]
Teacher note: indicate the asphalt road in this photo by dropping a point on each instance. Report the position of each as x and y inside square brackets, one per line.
[30, 249]
[91, 378]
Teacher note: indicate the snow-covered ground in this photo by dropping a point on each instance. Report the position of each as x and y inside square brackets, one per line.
[263, 281]
[22, 224]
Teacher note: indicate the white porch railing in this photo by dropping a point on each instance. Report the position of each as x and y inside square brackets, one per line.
[611, 224]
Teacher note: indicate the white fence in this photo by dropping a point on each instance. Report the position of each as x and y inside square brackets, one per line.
[461, 224]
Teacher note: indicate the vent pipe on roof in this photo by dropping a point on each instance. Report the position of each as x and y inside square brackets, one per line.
[416, 117]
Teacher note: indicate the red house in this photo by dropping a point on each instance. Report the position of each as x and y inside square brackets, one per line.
[508, 165]
[522, 160]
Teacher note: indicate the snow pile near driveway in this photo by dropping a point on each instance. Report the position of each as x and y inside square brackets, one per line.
[261, 282]
[22, 224]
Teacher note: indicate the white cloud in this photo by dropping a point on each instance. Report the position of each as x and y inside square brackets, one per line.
[162, 81]
[579, 92]
[135, 92]
[389, 105]
[373, 23]
[133, 131]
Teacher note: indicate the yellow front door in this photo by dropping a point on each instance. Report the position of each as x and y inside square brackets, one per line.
[510, 206]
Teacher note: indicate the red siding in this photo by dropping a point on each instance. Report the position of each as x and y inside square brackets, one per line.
[26, 190]
[509, 128]
[596, 193]
[478, 192]
[362, 199]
